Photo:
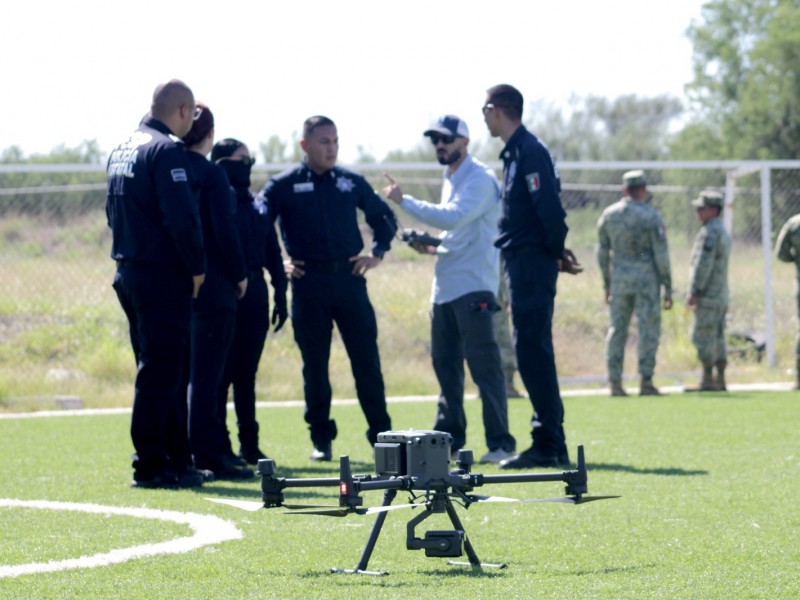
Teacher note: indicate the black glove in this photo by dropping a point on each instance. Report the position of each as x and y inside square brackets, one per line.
[280, 313]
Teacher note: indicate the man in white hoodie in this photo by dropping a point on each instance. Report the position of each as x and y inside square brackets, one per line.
[464, 287]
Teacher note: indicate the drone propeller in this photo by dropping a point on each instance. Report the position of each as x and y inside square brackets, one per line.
[343, 511]
[304, 506]
[243, 504]
[478, 498]
[572, 499]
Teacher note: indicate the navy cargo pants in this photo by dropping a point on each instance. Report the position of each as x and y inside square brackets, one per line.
[531, 278]
[329, 293]
[158, 303]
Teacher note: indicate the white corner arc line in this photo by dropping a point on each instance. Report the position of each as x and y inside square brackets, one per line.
[207, 529]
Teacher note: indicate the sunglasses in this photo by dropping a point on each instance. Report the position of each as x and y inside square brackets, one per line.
[445, 139]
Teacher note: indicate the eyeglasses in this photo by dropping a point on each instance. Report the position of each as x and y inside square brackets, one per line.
[198, 110]
[487, 106]
[445, 139]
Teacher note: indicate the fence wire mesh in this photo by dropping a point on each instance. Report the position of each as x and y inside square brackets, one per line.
[62, 333]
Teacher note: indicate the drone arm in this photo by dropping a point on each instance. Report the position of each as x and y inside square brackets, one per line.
[575, 479]
[318, 482]
[479, 480]
[383, 484]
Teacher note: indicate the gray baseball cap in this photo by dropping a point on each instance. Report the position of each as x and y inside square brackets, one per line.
[449, 125]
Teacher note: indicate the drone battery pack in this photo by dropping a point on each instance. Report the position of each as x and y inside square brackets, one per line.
[424, 454]
[390, 459]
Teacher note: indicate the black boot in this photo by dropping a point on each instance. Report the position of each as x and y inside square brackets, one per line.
[647, 388]
[720, 379]
[707, 383]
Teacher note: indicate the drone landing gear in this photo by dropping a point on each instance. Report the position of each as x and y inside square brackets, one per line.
[435, 543]
[361, 569]
[445, 543]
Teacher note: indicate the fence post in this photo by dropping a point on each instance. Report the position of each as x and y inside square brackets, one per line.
[766, 248]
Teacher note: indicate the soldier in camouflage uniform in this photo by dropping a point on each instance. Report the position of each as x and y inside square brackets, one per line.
[787, 249]
[502, 334]
[708, 290]
[634, 262]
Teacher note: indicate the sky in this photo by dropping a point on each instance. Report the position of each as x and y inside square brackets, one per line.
[384, 71]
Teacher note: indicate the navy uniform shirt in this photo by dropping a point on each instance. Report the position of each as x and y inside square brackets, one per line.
[150, 207]
[317, 213]
[226, 266]
[261, 250]
[532, 215]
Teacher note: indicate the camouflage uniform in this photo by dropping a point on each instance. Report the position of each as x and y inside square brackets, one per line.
[708, 282]
[634, 261]
[787, 249]
[502, 334]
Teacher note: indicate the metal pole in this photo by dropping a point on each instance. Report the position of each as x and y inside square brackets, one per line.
[766, 247]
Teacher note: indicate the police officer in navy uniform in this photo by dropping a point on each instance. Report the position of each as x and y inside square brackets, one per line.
[261, 251]
[532, 231]
[317, 205]
[158, 245]
[214, 309]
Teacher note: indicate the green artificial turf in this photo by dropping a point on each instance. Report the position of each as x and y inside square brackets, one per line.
[709, 487]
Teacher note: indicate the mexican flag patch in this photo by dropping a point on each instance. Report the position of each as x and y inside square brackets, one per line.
[533, 182]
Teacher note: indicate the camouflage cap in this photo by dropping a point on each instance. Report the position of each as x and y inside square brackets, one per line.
[634, 179]
[709, 198]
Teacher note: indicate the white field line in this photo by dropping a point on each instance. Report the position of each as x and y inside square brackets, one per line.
[782, 386]
[207, 530]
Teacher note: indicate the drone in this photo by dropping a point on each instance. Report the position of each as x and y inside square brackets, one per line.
[417, 462]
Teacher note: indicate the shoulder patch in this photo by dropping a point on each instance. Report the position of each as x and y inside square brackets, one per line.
[533, 182]
[179, 175]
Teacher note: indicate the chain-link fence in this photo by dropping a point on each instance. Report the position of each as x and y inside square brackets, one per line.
[62, 333]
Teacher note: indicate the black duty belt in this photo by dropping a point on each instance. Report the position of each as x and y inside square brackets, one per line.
[509, 253]
[327, 266]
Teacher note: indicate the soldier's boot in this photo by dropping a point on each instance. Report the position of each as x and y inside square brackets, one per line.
[707, 383]
[720, 379]
[511, 391]
[646, 388]
[617, 389]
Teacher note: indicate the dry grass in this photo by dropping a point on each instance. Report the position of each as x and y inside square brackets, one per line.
[62, 332]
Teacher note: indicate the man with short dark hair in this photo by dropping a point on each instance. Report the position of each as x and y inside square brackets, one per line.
[634, 262]
[316, 204]
[532, 231]
[708, 290]
[158, 246]
[463, 295]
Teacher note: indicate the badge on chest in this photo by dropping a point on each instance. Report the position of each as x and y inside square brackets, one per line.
[307, 186]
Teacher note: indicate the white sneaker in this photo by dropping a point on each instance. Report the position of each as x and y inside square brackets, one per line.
[495, 456]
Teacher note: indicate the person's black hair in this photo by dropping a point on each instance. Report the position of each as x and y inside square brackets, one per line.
[507, 98]
[312, 123]
[225, 148]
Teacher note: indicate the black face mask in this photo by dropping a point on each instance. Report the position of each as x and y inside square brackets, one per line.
[238, 172]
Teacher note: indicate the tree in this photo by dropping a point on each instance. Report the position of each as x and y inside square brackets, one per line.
[626, 128]
[275, 150]
[745, 95]
[87, 152]
[54, 195]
